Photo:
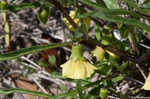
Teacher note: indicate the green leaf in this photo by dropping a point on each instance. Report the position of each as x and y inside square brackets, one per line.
[105, 82]
[111, 11]
[14, 90]
[133, 4]
[101, 3]
[124, 31]
[119, 19]
[105, 69]
[95, 91]
[97, 5]
[117, 79]
[52, 59]
[97, 32]
[33, 49]
[16, 7]
[92, 4]
[123, 66]
[63, 88]
[56, 75]
[111, 4]
[74, 92]
[146, 4]
[80, 31]
[103, 93]
[43, 63]
[78, 86]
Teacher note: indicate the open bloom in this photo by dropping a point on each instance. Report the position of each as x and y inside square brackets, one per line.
[98, 52]
[147, 83]
[77, 67]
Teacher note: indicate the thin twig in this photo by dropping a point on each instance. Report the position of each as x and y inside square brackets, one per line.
[141, 71]
[72, 84]
[134, 80]
[139, 97]
[31, 62]
[148, 47]
[112, 97]
[29, 65]
[132, 39]
[15, 72]
[48, 78]
[39, 40]
[38, 84]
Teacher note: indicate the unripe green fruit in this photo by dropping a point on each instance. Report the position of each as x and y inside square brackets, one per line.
[43, 15]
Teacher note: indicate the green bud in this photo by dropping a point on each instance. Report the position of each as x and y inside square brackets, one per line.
[3, 4]
[43, 15]
[103, 93]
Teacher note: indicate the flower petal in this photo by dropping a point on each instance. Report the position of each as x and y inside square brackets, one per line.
[67, 69]
[89, 69]
[98, 52]
[79, 70]
[147, 83]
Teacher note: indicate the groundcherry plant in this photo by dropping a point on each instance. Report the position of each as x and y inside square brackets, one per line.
[119, 29]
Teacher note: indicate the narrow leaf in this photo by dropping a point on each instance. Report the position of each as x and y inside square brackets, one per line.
[131, 3]
[111, 11]
[111, 4]
[119, 19]
[33, 49]
[146, 4]
[14, 90]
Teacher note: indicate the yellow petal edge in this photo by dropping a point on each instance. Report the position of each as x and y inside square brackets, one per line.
[78, 69]
[147, 83]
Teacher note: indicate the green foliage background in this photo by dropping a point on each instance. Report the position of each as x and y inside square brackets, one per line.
[107, 15]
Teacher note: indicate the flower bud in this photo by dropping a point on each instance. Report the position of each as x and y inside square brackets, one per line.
[98, 52]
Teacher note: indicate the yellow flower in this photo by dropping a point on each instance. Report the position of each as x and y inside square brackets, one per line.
[98, 52]
[72, 14]
[77, 67]
[147, 83]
